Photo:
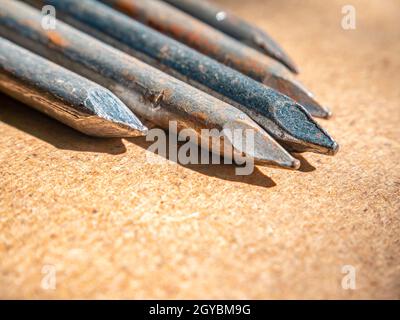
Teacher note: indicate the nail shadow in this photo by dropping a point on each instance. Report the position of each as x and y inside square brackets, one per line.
[37, 124]
[305, 166]
[221, 171]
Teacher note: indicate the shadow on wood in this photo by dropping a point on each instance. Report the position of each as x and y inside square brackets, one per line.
[39, 125]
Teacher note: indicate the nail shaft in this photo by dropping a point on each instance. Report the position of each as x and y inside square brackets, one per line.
[149, 92]
[235, 27]
[296, 130]
[201, 37]
[64, 95]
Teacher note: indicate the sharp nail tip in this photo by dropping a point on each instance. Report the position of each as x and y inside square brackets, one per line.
[335, 148]
[293, 68]
[327, 116]
[285, 60]
[144, 130]
[135, 131]
[322, 115]
[295, 164]
[326, 112]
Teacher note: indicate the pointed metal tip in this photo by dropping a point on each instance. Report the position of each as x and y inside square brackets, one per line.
[286, 84]
[131, 131]
[322, 112]
[250, 140]
[283, 58]
[120, 119]
[302, 132]
[334, 149]
[314, 108]
[293, 164]
[328, 113]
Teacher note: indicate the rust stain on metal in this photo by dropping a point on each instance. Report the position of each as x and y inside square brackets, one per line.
[156, 98]
[235, 27]
[201, 115]
[209, 41]
[147, 95]
[197, 35]
[56, 38]
[127, 6]
[64, 95]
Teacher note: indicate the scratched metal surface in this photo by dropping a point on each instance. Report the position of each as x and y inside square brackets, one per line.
[285, 120]
[236, 27]
[116, 226]
[151, 94]
[203, 38]
[64, 95]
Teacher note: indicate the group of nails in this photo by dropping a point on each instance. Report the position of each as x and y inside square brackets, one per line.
[109, 65]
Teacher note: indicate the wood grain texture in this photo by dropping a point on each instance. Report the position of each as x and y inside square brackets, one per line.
[115, 226]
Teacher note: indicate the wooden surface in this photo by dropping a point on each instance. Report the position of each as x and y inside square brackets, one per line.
[114, 226]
